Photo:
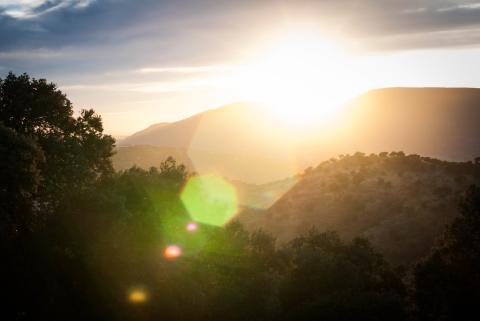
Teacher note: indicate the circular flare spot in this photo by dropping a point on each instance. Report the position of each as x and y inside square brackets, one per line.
[172, 252]
[209, 199]
[137, 296]
[192, 227]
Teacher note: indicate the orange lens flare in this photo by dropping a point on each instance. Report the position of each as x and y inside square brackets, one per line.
[171, 252]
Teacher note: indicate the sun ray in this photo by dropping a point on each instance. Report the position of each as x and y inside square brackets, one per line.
[301, 79]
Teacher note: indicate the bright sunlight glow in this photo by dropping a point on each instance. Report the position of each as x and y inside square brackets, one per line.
[302, 78]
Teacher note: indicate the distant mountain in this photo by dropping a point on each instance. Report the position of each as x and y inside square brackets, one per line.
[435, 122]
[146, 156]
[251, 145]
[144, 135]
[244, 167]
[238, 141]
[236, 129]
[401, 203]
[249, 195]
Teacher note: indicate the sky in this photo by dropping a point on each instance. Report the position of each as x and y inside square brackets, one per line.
[142, 62]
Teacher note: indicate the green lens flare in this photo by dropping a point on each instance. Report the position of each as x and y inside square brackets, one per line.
[209, 199]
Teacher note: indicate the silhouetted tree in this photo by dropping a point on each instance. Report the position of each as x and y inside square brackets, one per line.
[19, 181]
[448, 281]
[48, 157]
[331, 280]
[76, 150]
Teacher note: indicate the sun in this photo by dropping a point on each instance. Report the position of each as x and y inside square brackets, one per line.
[300, 78]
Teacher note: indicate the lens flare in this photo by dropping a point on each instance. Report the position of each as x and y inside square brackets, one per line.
[137, 296]
[209, 199]
[192, 227]
[171, 252]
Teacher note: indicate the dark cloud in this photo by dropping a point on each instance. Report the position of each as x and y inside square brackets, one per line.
[84, 34]
[433, 16]
[118, 20]
[368, 19]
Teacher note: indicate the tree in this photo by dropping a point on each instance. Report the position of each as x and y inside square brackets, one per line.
[332, 280]
[75, 149]
[98, 244]
[447, 282]
[47, 157]
[19, 181]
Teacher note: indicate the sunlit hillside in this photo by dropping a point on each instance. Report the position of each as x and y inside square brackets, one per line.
[400, 202]
[245, 142]
[244, 167]
[239, 141]
[435, 122]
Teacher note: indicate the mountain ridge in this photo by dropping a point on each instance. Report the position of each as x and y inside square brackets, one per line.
[432, 121]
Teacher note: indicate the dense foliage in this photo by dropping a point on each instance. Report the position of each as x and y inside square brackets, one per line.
[74, 151]
[105, 242]
[447, 282]
[82, 242]
[20, 179]
[400, 202]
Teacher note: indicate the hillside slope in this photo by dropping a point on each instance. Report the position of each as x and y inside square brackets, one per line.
[401, 203]
[245, 167]
[240, 128]
[259, 196]
[244, 142]
[434, 122]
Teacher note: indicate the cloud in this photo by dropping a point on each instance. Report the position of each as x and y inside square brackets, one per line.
[171, 29]
[75, 37]
[468, 6]
[187, 69]
[41, 53]
[466, 38]
[185, 85]
[30, 9]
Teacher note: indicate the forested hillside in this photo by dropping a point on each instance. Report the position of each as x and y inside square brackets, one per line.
[401, 203]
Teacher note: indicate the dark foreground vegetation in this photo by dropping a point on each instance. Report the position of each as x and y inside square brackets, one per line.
[82, 242]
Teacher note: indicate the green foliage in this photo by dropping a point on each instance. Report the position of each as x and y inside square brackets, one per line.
[75, 148]
[330, 280]
[76, 152]
[96, 245]
[447, 283]
[109, 239]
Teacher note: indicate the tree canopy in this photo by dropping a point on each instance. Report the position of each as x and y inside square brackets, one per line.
[65, 153]
[447, 282]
